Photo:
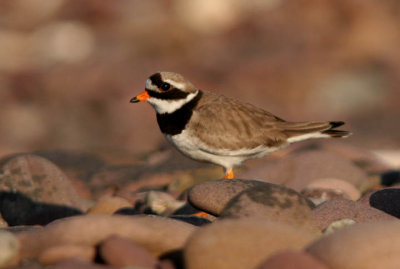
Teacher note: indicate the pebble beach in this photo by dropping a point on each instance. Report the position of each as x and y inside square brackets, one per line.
[332, 213]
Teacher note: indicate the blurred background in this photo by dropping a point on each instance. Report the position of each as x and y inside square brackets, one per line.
[68, 68]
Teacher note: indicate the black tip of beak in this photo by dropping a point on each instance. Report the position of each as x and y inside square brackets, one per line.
[134, 100]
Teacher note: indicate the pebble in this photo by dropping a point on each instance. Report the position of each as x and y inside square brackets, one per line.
[162, 203]
[75, 263]
[360, 246]
[337, 225]
[40, 180]
[318, 196]
[387, 200]
[312, 165]
[53, 255]
[334, 210]
[242, 243]
[390, 157]
[364, 159]
[272, 202]
[109, 205]
[17, 209]
[331, 188]
[290, 260]
[299, 169]
[123, 252]
[390, 178]
[156, 234]
[212, 196]
[9, 249]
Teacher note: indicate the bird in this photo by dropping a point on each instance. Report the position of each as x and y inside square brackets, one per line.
[213, 128]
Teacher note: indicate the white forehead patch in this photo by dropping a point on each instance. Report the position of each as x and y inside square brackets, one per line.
[150, 85]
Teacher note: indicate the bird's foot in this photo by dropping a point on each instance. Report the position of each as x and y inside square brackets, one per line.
[229, 174]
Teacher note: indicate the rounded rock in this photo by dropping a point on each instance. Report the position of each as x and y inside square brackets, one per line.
[312, 165]
[241, 243]
[109, 205]
[360, 246]
[123, 252]
[272, 202]
[212, 196]
[74, 263]
[162, 203]
[337, 225]
[290, 260]
[9, 249]
[339, 186]
[334, 210]
[40, 180]
[56, 254]
[387, 200]
[156, 234]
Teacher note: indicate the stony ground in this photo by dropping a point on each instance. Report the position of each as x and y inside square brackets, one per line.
[314, 206]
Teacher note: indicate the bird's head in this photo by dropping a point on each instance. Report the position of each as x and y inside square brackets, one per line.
[167, 92]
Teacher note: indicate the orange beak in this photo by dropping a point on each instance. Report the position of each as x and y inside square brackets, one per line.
[141, 97]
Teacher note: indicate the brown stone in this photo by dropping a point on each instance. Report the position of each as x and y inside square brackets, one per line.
[75, 263]
[39, 180]
[364, 159]
[272, 202]
[212, 196]
[312, 165]
[299, 169]
[162, 203]
[337, 225]
[360, 246]
[123, 252]
[291, 260]
[334, 210]
[156, 234]
[242, 243]
[387, 200]
[338, 186]
[109, 205]
[9, 249]
[56, 254]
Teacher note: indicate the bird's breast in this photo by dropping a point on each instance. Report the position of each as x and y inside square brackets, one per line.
[174, 123]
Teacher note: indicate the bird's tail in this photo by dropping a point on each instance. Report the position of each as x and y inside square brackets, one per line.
[336, 133]
[297, 131]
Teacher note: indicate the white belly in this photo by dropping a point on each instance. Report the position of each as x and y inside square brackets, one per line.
[192, 147]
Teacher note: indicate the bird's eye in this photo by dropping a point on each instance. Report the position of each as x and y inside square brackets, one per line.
[165, 86]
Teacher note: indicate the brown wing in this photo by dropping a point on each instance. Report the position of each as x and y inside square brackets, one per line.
[230, 124]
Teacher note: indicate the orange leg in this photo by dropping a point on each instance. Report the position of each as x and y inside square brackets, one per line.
[229, 174]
